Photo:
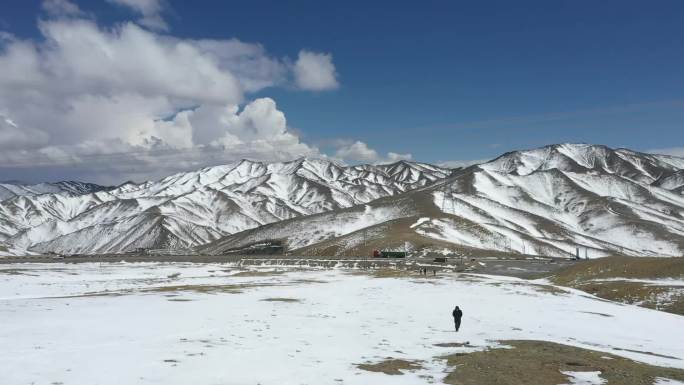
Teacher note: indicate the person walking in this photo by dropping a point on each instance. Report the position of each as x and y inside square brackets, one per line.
[457, 314]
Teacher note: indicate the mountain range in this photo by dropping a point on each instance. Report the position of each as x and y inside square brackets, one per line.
[11, 189]
[548, 201]
[194, 208]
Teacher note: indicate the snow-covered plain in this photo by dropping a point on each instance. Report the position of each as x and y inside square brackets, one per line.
[126, 323]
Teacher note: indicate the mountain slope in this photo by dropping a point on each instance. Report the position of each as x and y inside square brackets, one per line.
[546, 201]
[188, 209]
[14, 189]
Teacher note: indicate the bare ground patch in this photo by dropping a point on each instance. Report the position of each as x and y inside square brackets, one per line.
[88, 295]
[599, 314]
[16, 272]
[547, 289]
[307, 280]
[541, 363]
[205, 289]
[396, 273]
[391, 366]
[279, 299]
[385, 273]
[455, 345]
[622, 267]
[256, 273]
[595, 276]
[665, 298]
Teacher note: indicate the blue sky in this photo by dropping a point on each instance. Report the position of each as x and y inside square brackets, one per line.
[452, 80]
[416, 78]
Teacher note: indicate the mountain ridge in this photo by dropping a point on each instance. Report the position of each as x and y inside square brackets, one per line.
[10, 189]
[194, 207]
[543, 201]
[543, 205]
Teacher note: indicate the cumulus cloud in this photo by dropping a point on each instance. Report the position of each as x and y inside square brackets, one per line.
[359, 151]
[258, 131]
[315, 71]
[107, 104]
[149, 10]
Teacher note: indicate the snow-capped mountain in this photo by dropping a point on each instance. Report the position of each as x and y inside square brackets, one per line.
[546, 201]
[193, 208]
[12, 189]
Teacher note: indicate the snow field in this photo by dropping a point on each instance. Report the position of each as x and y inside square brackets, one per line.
[149, 335]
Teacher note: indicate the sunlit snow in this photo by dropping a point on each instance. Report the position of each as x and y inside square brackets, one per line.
[189, 323]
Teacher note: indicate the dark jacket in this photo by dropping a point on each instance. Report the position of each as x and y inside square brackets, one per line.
[457, 313]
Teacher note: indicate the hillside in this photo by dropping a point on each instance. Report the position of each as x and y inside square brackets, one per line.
[189, 209]
[547, 201]
[14, 189]
[656, 283]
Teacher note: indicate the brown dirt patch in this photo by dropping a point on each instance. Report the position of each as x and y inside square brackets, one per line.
[584, 276]
[16, 272]
[385, 273]
[281, 300]
[595, 313]
[391, 366]
[251, 273]
[621, 267]
[305, 280]
[455, 345]
[204, 289]
[641, 294]
[541, 363]
[87, 295]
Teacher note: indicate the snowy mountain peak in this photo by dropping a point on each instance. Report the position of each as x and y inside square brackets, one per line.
[586, 158]
[190, 208]
[11, 189]
[547, 201]
[544, 201]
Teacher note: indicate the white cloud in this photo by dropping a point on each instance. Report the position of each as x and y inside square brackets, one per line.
[61, 8]
[315, 71]
[674, 151]
[125, 102]
[259, 131]
[394, 157]
[149, 10]
[358, 151]
[248, 62]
